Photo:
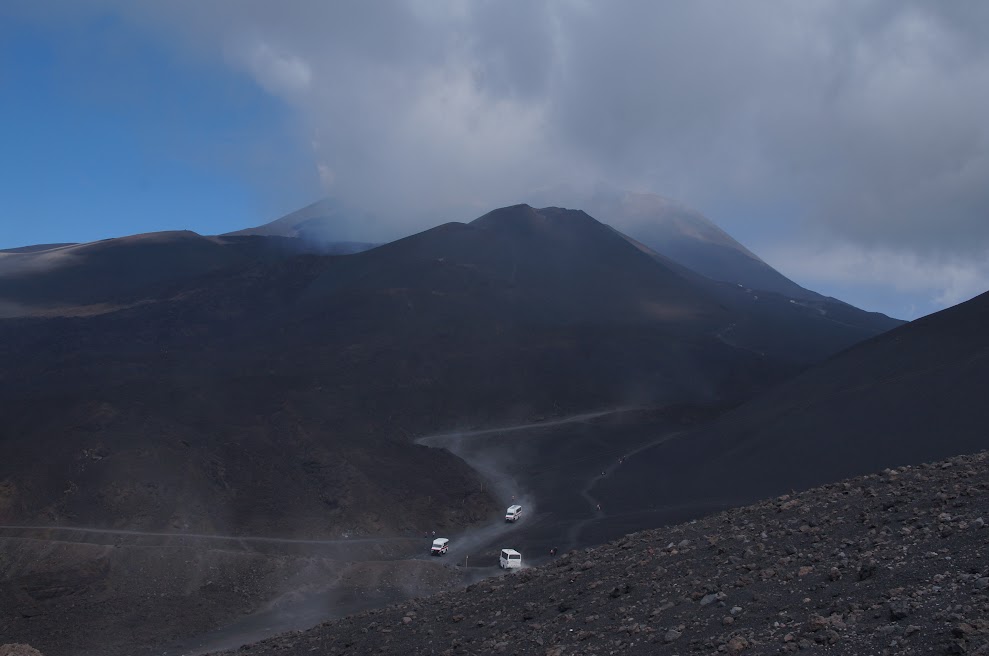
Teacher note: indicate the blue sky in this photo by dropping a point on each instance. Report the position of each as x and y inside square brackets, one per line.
[844, 142]
[106, 133]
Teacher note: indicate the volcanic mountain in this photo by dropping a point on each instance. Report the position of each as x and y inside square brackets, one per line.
[683, 240]
[177, 391]
[277, 393]
[672, 229]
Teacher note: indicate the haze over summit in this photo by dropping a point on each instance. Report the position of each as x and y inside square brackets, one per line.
[844, 143]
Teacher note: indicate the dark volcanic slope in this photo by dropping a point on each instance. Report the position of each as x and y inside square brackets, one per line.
[888, 563]
[913, 394]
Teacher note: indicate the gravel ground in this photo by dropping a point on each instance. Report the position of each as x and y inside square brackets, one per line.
[77, 599]
[890, 563]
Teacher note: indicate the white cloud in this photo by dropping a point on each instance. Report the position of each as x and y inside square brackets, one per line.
[277, 72]
[866, 117]
[864, 121]
[326, 176]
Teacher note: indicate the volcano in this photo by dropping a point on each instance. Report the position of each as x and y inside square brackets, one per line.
[172, 387]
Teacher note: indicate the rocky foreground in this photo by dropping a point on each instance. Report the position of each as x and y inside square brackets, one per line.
[890, 563]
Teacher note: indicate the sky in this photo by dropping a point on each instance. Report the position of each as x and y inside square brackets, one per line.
[845, 142]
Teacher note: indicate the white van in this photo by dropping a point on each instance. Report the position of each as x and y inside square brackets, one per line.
[510, 559]
[440, 546]
[513, 513]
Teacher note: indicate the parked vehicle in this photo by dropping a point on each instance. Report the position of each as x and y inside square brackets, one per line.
[440, 546]
[513, 513]
[510, 559]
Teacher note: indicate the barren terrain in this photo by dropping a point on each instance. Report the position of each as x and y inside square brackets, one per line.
[888, 563]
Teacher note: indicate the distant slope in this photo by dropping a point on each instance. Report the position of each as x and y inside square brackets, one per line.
[315, 221]
[801, 330]
[913, 394]
[326, 225]
[682, 234]
[692, 239]
[122, 270]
